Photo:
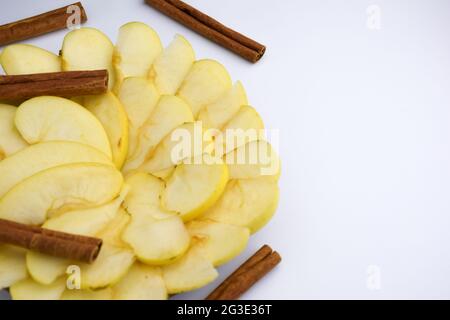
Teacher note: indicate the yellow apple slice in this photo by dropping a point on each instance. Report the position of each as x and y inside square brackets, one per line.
[144, 196]
[10, 139]
[142, 282]
[111, 265]
[57, 119]
[248, 203]
[253, 160]
[88, 49]
[12, 265]
[42, 156]
[156, 242]
[220, 242]
[246, 126]
[112, 233]
[184, 142]
[205, 83]
[190, 272]
[137, 47]
[103, 294]
[217, 114]
[194, 188]
[58, 189]
[139, 97]
[169, 113]
[172, 66]
[111, 114]
[88, 222]
[28, 289]
[28, 59]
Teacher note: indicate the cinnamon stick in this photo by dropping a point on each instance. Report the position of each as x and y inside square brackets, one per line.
[54, 243]
[250, 272]
[210, 28]
[63, 84]
[38, 25]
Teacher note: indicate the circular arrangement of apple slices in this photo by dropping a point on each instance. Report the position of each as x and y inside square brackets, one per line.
[107, 166]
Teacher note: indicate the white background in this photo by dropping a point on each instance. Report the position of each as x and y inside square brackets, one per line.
[364, 117]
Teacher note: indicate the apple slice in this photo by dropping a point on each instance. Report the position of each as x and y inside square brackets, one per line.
[142, 282]
[103, 294]
[28, 59]
[190, 272]
[57, 119]
[112, 233]
[111, 265]
[144, 196]
[88, 222]
[28, 289]
[184, 142]
[219, 242]
[88, 49]
[246, 126]
[253, 160]
[42, 156]
[139, 97]
[194, 188]
[10, 139]
[61, 188]
[169, 113]
[12, 265]
[172, 66]
[156, 242]
[217, 114]
[205, 83]
[248, 203]
[137, 47]
[111, 114]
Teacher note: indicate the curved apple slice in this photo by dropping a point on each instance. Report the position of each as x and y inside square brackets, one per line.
[28, 289]
[139, 97]
[217, 114]
[88, 49]
[144, 196]
[190, 272]
[219, 242]
[88, 222]
[57, 119]
[10, 139]
[184, 142]
[12, 266]
[58, 189]
[142, 282]
[111, 114]
[205, 83]
[194, 188]
[42, 156]
[253, 160]
[137, 47]
[246, 126]
[172, 66]
[156, 242]
[27, 59]
[169, 113]
[103, 294]
[248, 203]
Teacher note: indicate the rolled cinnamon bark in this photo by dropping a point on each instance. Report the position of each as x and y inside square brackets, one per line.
[210, 28]
[62, 84]
[38, 25]
[54, 243]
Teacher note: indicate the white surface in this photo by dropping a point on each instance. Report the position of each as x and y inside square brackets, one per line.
[365, 136]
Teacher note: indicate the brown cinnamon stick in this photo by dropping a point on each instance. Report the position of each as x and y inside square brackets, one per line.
[63, 84]
[54, 243]
[210, 28]
[38, 25]
[250, 272]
